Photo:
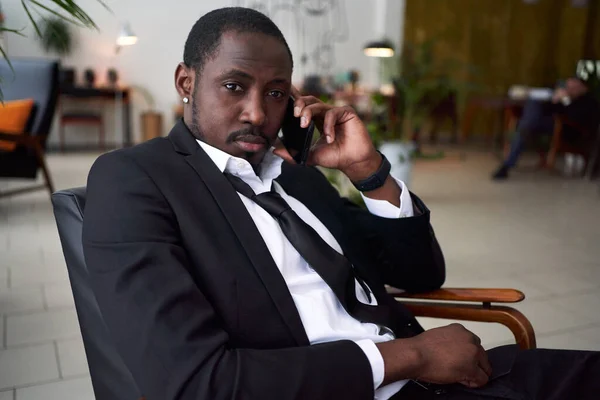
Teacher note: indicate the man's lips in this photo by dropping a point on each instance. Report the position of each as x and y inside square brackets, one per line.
[251, 139]
[251, 143]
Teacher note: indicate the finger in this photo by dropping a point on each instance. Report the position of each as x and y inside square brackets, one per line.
[333, 117]
[313, 111]
[478, 379]
[281, 151]
[302, 102]
[314, 156]
[484, 362]
[476, 339]
[295, 92]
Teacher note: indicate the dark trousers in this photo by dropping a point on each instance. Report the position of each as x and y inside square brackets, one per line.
[524, 375]
[535, 122]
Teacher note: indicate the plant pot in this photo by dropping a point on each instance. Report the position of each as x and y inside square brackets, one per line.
[67, 77]
[151, 125]
[89, 77]
[401, 156]
[112, 76]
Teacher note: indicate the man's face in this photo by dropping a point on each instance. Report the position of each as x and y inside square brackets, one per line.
[239, 98]
[575, 88]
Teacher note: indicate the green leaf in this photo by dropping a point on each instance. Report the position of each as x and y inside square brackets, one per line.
[74, 14]
[11, 68]
[15, 31]
[59, 15]
[77, 12]
[35, 26]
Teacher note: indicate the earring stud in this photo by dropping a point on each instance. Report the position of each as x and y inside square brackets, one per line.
[186, 100]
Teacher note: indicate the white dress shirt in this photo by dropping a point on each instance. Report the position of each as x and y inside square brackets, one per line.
[322, 315]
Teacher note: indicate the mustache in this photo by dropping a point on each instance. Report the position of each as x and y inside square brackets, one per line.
[233, 136]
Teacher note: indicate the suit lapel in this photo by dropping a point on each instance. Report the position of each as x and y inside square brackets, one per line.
[243, 226]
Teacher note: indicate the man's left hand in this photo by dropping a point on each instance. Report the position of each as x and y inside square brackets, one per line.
[344, 144]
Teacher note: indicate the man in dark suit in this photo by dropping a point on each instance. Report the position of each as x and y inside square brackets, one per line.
[223, 272]
[575, 102]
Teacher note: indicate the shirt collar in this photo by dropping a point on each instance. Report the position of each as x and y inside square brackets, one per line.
[269, 169]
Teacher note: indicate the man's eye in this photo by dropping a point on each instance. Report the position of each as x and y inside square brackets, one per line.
[234, 87]
[276, 94]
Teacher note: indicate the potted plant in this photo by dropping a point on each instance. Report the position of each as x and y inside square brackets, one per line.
[67, 10]
[150, 120]
[423, 82]
[386, 133]
[56, 37]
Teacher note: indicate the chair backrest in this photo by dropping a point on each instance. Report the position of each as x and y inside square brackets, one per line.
[34, 79]
[110, 377]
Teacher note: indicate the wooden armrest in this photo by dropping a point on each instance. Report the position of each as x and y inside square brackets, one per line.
[486, 312]
[563, 120]
[513, 319]
[22, 138]
[475, 295]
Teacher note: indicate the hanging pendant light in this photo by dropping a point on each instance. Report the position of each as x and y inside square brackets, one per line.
[126, 37]
[379, 48]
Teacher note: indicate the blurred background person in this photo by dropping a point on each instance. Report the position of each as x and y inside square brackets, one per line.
[573, 101]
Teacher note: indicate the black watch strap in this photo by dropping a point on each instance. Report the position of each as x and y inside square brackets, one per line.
[377, 179]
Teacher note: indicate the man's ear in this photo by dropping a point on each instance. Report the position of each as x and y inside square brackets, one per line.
[184, 80]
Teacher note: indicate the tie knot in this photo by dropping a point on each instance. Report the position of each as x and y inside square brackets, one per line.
[272, 203]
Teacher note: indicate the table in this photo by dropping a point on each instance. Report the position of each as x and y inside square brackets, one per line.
[120, 95]
[501, 106]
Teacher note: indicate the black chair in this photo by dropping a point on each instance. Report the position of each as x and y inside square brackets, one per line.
[110, 377]
[37, 80]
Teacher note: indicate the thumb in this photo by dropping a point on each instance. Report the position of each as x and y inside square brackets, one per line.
[281, 151]
[478, 379]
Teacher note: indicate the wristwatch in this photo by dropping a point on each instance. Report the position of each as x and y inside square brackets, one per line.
[376, 180]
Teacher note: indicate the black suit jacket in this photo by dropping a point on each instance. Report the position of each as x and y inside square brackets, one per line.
[192, 298]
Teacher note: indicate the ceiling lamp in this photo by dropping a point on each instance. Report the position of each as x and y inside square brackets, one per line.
[379, 48]
[126, 37]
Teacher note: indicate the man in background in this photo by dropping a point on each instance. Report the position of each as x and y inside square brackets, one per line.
[575, 102]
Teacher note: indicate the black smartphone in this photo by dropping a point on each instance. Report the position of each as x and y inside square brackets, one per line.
[297, 140]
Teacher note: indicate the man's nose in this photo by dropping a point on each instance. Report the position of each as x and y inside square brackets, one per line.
[254, 110]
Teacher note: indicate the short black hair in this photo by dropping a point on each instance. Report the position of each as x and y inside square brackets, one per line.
[205, 36]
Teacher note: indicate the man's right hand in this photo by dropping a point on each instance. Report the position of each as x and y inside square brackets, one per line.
[445, 355]
[559, 94]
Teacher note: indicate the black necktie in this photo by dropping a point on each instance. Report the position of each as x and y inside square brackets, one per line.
[334, 268]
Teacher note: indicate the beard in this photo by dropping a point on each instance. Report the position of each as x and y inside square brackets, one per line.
[248, 133]
[195, 123]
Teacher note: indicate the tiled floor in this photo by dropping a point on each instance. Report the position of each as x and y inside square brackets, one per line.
[536, 232]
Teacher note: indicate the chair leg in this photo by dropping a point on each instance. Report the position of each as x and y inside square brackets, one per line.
[554, 143]
[101, 139]
[39, 153]
[454, 118]
[542, 163]
[437, 121]
[551, 160]
[61, 136]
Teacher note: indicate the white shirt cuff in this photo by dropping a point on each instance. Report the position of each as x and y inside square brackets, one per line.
[375, 359]
[385, 209]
